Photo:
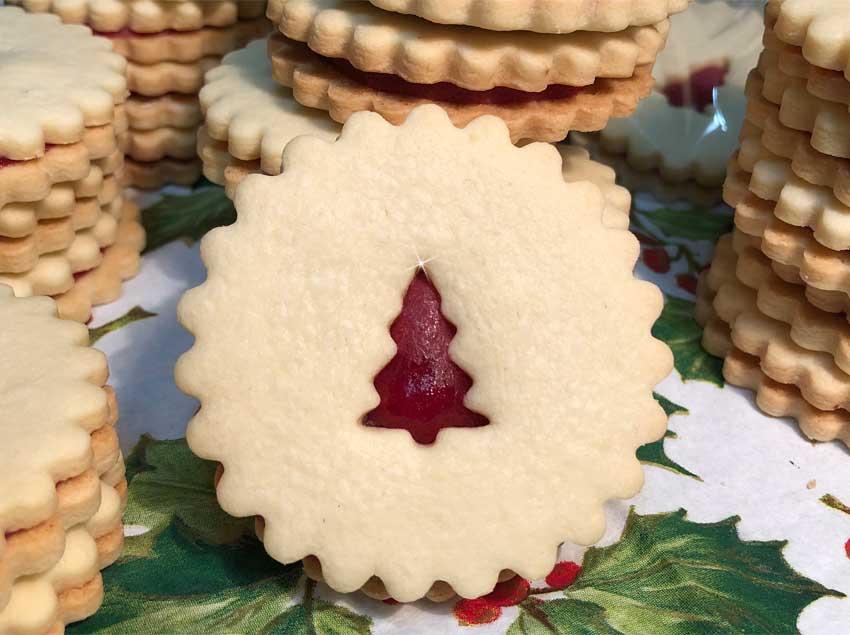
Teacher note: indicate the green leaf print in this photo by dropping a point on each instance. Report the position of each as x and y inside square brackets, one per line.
[678, 328]
[170, 484]
[653, 453]
[133, 315]
[670, 576]
[561, 617]
[689, 224]
[188, 217]
[315, 617]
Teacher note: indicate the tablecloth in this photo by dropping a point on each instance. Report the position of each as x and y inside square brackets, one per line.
[743, 525]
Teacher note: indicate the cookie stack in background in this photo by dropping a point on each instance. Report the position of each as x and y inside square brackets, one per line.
[554, 71]
[775, 301]
[65, 228]
[676, 144]
[169, 46]
[62, 487]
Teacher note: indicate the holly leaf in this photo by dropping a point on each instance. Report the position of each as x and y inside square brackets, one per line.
[133, 315]
[190, 587]
[188, 217]
[670, 576]
[170, 484]
[680, 331]
[653, 453]
[561, 617]
[689, 224]
[320, 618]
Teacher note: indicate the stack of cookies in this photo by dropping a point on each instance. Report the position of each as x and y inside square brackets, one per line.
[62, 486]
[776, 299]
[561, 66]
[169, 46]
[65, 228]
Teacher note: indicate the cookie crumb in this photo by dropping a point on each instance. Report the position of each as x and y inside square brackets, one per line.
[811, 484]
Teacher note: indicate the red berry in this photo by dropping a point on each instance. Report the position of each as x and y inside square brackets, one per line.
[657, 259]
[476, 612]
[687, 282]
[510, 592]
[563, 575]
[847, 548]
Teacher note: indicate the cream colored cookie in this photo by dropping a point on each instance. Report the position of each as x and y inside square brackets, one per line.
[423, 52]
[153, 145]
[156, 80]
[187, 46]
[317, 83]
[168, 111]
[28, 181]
[431, 210]
[55, 80]
[544, 16]
[147, 16]
[254, 115]
[156, 174]
[102, 284]
[820, 27]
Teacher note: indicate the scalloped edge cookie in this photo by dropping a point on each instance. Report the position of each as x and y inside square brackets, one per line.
[171, 110]
[542, 16]
[153, 145]
[316, 83]
[156, 80]
[157, 174]
[422, 52]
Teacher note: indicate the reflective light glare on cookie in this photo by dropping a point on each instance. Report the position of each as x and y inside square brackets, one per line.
[422, 389]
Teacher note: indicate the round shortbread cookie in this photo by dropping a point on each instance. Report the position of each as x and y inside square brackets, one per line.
[820, 27]
[318, 82]
[168, 111]
[156, 174]
[426, 53]
[254, 115]
[147, 16]
[460, 201]
[543, 16]
[741, 369]
[55, 80]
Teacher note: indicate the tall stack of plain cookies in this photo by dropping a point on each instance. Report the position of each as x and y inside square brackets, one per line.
[62, 486]
[543, 67]
[65, 229]
[169, 45]
[775, 301]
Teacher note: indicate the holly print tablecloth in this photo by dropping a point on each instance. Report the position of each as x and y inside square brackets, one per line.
[743, 525]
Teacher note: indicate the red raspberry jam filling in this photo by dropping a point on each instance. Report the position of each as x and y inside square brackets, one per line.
[421, 388]
[450, 93]
[697, 91]
[127, 33]
[6, 162]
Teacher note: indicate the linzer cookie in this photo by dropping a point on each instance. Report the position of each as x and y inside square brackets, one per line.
[168, 111]
[544, 16]
[147, 16]
[334, 85]
[687, 129]
[422, 52]
[156, 174]
[426, 218]
[58, 438]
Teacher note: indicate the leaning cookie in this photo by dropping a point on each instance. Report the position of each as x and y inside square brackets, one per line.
[456, 199]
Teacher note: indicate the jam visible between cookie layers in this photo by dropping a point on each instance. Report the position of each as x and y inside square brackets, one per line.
[697, 91]
[450, 93]
[126, 32]
[421, 388]
[6, 162]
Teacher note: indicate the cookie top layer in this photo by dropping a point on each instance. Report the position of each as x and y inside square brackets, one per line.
[50, 401]
[55, 80]
[422, 52]
[562, 365]
[246, 108]
[542, 16]
[820, 27]
[147, 16]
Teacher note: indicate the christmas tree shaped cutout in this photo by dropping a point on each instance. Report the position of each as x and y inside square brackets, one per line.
[421, 388]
